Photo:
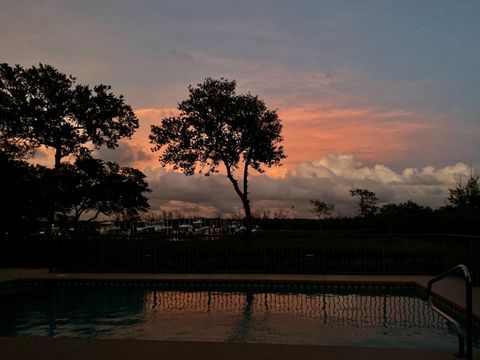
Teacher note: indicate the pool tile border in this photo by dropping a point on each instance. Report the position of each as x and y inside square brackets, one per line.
[256, 285]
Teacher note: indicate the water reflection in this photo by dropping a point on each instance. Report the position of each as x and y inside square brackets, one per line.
[344, 309]
[242, 329]
[316, 318]
[72, 312]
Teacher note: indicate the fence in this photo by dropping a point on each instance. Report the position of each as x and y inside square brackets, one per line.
[355, 253]
[275, 252]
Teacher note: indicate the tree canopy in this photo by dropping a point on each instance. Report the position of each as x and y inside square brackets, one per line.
[367, 202]
[466, 196]
[42, 106]
[215, 127]
[321, 208]
[86, 188]
[100, 187]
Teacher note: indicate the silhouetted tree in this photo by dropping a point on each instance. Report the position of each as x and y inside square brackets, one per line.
[218, 127]
[466, 196]
[321, 208]
[367, 202]
[41, 106]
[97, 187]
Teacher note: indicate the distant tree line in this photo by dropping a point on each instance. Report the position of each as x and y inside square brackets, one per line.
[460, 215]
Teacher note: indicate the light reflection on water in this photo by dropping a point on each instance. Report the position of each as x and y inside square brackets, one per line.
[259, 317]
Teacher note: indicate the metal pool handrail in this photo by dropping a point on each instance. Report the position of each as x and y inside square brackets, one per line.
[468, 288]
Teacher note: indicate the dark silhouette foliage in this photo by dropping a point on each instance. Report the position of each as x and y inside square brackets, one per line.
[466, 196]
[367, 202]
[97, 187]
[321, 208]
[15, 139]
[405, 217]
[42, 106]
[405, 209]
[23, 193]
[218, 127]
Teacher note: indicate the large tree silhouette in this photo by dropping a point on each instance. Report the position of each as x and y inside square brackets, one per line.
[40, 106]
[99, 187]
[218, 127]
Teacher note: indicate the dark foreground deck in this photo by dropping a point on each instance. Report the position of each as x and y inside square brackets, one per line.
[81, 349]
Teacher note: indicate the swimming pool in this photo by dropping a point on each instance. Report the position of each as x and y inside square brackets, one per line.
[344, 315]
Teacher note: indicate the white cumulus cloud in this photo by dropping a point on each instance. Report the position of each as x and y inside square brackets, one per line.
[328, 178]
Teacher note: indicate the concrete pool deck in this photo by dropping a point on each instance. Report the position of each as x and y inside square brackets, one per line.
[450, 290]
[80, 349]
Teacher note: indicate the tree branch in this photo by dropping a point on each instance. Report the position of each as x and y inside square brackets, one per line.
[233, 180]
[79, 211]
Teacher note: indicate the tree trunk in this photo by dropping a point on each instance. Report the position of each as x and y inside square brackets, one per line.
[53, 190]
[244, 197]
[248, 220]
[246, 202]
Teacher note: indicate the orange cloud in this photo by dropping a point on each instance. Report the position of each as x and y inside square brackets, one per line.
[311, 131]
[370, 133]
[140, 142]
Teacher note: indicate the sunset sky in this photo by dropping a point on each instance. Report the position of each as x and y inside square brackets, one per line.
[377, 94]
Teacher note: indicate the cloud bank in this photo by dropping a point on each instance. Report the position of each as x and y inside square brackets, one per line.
[329, 179]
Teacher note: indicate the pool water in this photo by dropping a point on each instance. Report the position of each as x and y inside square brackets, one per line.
[344, 318]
